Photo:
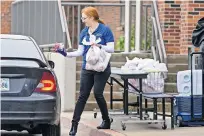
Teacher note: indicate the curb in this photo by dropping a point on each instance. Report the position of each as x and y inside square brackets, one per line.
[89, 128]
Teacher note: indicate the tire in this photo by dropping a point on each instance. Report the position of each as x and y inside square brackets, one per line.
[51, 130]
[95, 115]
[123, 126]
[164, 127]
[179, 121]
[111, 120]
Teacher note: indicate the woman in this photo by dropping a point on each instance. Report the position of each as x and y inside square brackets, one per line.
[94, 27]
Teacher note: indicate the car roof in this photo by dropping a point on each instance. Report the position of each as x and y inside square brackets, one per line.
[13, 36]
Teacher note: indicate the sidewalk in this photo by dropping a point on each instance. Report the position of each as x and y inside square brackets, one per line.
[88, 125]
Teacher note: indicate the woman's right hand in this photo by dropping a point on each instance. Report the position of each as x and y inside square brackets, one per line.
[60, 50]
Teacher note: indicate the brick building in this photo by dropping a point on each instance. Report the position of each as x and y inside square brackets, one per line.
[178, 19]
[5, 16]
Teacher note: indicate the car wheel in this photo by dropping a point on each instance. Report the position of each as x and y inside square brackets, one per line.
[51, 130]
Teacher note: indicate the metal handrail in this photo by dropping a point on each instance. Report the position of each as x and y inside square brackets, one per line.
[158, 34]
[64, 3]
[75, 23]
[51, 45]
[64, 25]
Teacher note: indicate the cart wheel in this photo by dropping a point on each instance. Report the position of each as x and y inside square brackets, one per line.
[123, 126]
[95, 114]
[111, 120]
[146, 116]
[164, 127]
[179, 121]
[150, 122]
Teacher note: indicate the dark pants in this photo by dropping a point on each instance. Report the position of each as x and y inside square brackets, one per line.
[87, 81]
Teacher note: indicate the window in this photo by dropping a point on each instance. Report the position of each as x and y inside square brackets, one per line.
[19, 48]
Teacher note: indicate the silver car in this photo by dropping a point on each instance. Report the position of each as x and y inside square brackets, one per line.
[30, 95]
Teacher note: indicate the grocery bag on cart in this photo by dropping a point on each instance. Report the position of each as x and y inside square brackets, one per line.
[155, 78]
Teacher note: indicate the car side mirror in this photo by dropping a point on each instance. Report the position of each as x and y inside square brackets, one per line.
[51, 63]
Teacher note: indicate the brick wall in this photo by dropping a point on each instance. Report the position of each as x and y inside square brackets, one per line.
[170, 18]
[111, 16]
[191, 13]
[5, 17]
[178, 19]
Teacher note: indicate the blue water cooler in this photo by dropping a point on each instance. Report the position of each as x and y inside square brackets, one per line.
[183, 109]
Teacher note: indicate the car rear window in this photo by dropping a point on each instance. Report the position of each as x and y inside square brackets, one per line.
[19, 48]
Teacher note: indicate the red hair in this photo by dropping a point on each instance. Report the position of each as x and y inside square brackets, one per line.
[92, 12]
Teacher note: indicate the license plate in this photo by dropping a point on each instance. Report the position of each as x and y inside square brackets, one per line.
[4, 84]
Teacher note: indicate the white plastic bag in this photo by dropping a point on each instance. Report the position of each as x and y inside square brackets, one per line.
[153, 84]
[93, 55]
[101, 64]
[155, 79]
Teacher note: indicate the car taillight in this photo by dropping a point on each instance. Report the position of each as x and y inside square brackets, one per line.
[47, 83]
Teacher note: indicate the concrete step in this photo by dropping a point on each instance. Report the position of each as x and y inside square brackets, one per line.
[78, 75]
[172, 68]
[116, 95]
[168, 88]
[78, 65]
[113, 64]
[91, 105]
[121, 57]
[116, 88]
[171, 78]
[178, 59]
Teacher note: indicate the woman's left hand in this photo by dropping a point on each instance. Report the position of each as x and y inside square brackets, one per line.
[60, 50]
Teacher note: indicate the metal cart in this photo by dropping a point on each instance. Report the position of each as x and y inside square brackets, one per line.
[141, 113]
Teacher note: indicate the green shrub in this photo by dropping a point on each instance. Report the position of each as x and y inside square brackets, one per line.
[121, 41]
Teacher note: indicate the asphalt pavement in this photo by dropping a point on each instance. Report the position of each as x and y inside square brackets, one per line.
[65, 131]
